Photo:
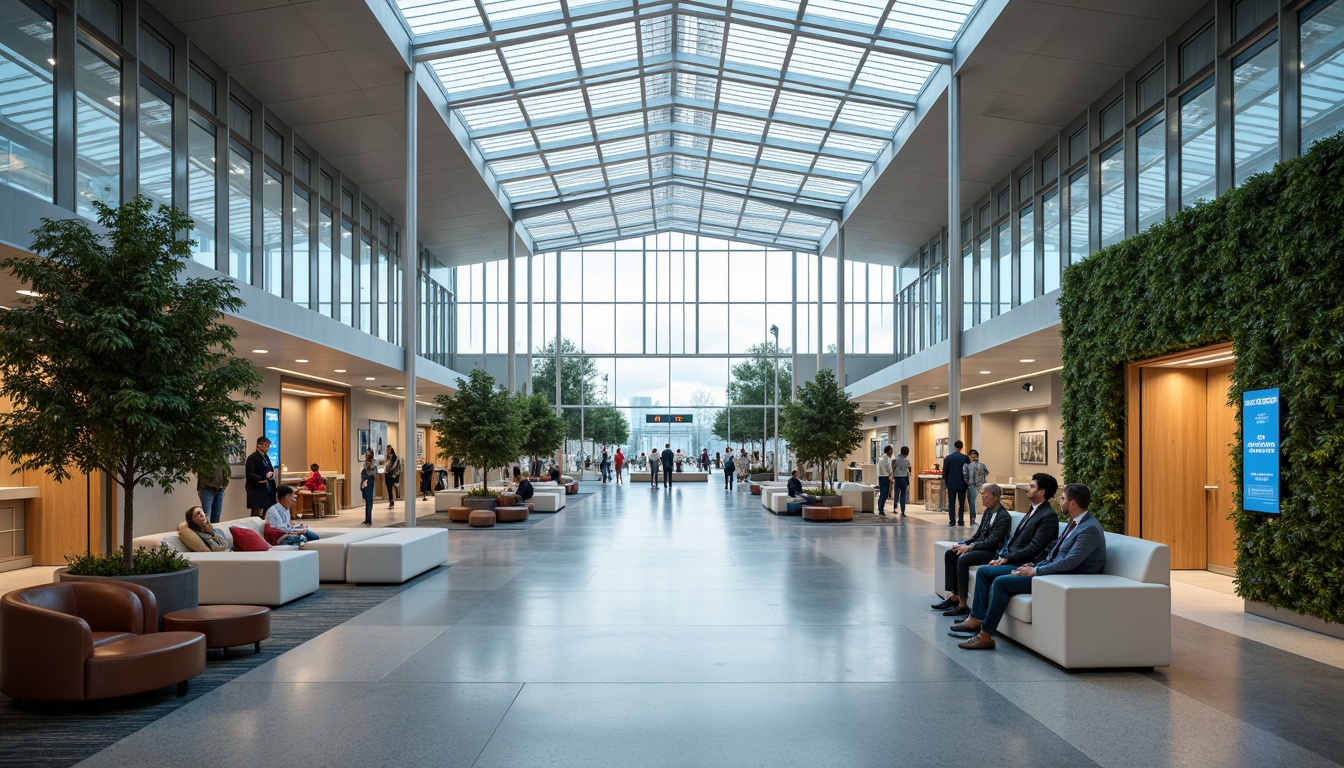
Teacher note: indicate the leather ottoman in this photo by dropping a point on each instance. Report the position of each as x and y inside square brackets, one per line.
[510, 514]
[482, 518]
[224, 626]
[459, 514]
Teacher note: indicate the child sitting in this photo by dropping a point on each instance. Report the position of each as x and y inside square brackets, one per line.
[314, 482]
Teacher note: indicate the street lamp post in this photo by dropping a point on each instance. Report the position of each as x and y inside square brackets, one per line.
[774, 331]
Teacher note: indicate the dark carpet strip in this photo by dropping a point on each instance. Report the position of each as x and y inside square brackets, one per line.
[49, 735]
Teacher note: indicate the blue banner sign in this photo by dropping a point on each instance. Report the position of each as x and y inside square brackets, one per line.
[1260, 450]
[270, 418]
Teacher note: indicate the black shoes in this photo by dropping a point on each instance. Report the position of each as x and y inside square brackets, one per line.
[958, 612]
[972, 519]
[950, 602]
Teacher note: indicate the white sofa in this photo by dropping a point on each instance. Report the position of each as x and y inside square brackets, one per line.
[863, 498]
[940, 551]
[397, 556]
[548, 498]
[1120, 617]
[249, 578]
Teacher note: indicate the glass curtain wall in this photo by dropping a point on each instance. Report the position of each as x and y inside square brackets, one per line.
[27, 99]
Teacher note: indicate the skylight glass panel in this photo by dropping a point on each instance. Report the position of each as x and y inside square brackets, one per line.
[744, 96]
[824, 60]
[506, 142]
[802, 230]
[659, 117]
[536, 58]
[863, 145]
[723, 202]
[761, 210]
[683, 140]
[748, 126]
[688, 213]
[735, 149]
[766, 226]
[517, 166]
[623, 173]
[594, 226]
[655, 36]
[731, 172]
[884, 119]
[851, 169]
[693, 86]
[429, 16]
[581, 155]
[590, 210]
[861, 13]
[607, 126]
[717, 217]
[807, 105]
[776, 156]
[623, 93]
[661, 165]
[485, 116]
[528, 188]
[657, 86]
[828, 188]
[692, 167]
[607, 45]
[579, 180]
[885, 72]
[498, 11]
[687, 116]
[470, 72]
[635, 218]
[549, 230]
[759, 48]
[638, 200]
[623, 147]
[939, 19]
[558, 134]
[554, 105]
[687, 194]
[698, 36]
[660, 139]
[781, 180]
[810, 137]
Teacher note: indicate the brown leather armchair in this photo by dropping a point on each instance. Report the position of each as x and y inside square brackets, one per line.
[84, 640]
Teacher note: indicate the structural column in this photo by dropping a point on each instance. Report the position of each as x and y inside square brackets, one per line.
[953, 252]
[559, 411]
[793, 329]
[512, 358]
[821, 325]
[840, 307]
[529, 324]
[906, 419]
[410, 301]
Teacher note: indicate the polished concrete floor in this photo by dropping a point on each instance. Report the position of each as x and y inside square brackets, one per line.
[691, 628]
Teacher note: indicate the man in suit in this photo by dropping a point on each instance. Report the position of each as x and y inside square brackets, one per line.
[260, 483]
[1081, 549]
[667, 457]
[954, 482]
[989, 538]
[795, 487]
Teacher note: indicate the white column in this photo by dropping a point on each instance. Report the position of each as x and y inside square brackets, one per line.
[953, 250]
[907, 426]
[529, 324]
[512, 360]
[559, 287]
[793, 327]
[410, 301]
[821, 326]
[840, 307]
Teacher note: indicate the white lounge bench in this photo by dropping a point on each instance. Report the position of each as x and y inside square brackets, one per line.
[400, 555]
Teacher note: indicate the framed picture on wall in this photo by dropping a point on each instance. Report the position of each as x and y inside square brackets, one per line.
[378, 439]
[940, 448]
[363, 443]
[1059, 451]
[420, 445]
[237, 459]
[1031, 447]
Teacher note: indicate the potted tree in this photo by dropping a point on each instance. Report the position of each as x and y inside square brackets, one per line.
[115, 364]
[481, 423]
[543, 429]
[822, 426]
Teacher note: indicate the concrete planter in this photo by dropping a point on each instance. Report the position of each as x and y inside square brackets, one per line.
[174, 591]
[828, 501]
[760, 477]
[479, 502]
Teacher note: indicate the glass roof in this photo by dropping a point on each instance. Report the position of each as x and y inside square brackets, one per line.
[607, 119]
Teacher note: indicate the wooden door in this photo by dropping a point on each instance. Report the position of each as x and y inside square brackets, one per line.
[921, 456]
[1221, 434]
[1174, 464]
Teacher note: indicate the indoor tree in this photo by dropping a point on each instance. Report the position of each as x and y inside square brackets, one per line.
[607, 426]
[116, 364]
[481, 422]
[543, 429]
[822, 425]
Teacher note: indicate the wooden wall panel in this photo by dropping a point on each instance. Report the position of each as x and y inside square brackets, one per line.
[1174, 464]
[1221, 421]
[1133, 453]
[66, 518]
[326, 433]
[921, 456]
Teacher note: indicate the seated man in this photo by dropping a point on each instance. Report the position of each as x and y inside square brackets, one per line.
[554, 474]
[992, 534]
[1081, 549]
[796, 490]
[525, 490]
[279, 528]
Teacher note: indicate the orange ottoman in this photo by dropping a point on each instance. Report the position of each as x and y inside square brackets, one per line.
[755, 490]
[571, 489]
[842, 513]
[459, 514]
[224, 626]
[506, 500]
[817, 514]
[511, 514]
[481, 518]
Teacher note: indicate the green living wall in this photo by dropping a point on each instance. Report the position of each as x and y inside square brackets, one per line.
[1260, 267]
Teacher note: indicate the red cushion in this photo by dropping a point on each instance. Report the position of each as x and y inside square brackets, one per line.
[247, 540]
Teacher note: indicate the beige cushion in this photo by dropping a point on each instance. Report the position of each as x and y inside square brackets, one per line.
[191, 538]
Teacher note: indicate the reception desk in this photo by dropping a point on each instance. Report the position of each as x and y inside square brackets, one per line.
[335, 494]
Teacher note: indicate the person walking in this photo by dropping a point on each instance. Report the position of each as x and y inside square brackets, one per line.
[729, 470]
[620, 465]
[884, 482]
[954, 482]
[976, 474]
[668, 458]
[654, 463]
[900, 479]
[368, 478]
[459, 470]
[602, 464]
[392, 475]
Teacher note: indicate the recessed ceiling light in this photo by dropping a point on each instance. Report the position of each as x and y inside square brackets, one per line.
[259, 351]
[400, 388]
[339, 370]
[1027, 360]
[25, 292]
[300, 360]
[888, 403]
[985, 373]
[369, 378]
[1014, 410]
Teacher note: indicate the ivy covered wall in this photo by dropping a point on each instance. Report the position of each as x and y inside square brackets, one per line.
[1260, 266]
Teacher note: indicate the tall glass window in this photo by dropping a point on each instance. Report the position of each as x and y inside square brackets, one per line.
[201, 187]
[156, 144]
[272, 231]
[1322, 73]
[98, 127]
[366, 284]
[1199, 150]
[1152, 188]
[381, 309]
[1050, 238]
[986, 278]
[968, 288]
[325, 233]
[1113, 195]
[1255, 110]
[303, 211]
[1005, 264]
[240, 212]
[1079, 220]
[1026, 256]
[27, 105]
[347, 273]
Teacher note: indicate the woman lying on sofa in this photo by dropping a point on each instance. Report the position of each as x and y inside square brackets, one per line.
[279, 528]
[198, 535]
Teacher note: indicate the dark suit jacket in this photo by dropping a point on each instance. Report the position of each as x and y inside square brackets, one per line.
[667, 457]
[795, 487]
[995, 525]
[260, 491]
[1082, 551]
[1033, 538]
[954, 479]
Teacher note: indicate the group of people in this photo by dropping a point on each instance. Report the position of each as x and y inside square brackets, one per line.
[607, 463]
[1009, 559]
[893, 481]
[199, 533]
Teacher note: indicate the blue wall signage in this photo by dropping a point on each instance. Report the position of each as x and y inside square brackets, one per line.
[270, 419]
[1260, 450]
